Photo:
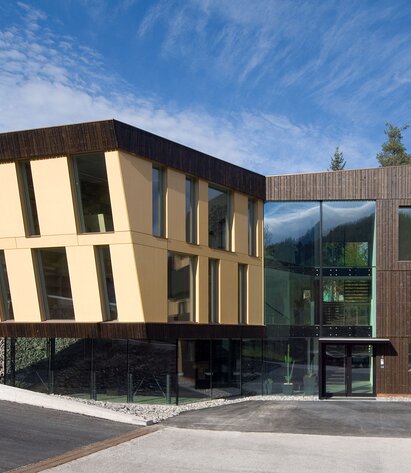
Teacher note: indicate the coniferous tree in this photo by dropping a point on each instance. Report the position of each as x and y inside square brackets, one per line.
[393, 151]
[337, 161]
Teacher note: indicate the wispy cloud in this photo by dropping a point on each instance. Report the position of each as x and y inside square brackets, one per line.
[48, 79]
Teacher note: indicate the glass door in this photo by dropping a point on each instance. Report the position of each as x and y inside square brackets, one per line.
[348, 370]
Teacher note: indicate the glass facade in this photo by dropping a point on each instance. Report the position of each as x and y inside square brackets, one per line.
[6, 306]
[158, 198]
[106, 280]
[219, 218]
[93, 197]
[181, 287]
[191, 210]
[404, 233]
[319, 263]
[28, 198]
[54, 283]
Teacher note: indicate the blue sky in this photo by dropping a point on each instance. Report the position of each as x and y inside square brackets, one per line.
[270, 85]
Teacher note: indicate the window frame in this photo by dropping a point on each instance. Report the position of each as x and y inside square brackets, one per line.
[6, 303]
[102, 280]
[229, 217]
[242, 294]
[160, 202]
[28, 201]
[77, 194]
[213, 291]
[41, 283]
[191, 202]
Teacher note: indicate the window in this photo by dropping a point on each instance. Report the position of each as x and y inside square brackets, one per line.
[191, 210]
[93, 197]
[252, 224]
[213, 291]
[218, 218]
[28, 198]
[106, 282]
[242, 293]
[181, 284]
[409, 357]
[158, 196]
[404, 233]
[54, 283]
[6, 307]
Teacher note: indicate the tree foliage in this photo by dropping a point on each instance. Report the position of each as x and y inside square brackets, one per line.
[393, 151]
[337, 161]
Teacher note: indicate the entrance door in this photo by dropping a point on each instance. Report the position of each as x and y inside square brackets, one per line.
[348, 370]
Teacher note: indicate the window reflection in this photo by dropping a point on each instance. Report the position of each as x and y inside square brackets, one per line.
[181, 286]
[404, 233]
[218, 218]
[348, 233]
[93, 193]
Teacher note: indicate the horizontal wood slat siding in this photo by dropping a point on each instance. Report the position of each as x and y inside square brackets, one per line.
[111, 134]
[129, 330]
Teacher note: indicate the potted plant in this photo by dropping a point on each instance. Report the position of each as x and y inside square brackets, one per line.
[288, 386]
[309, 381]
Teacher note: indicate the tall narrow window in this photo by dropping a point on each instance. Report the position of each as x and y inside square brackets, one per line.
[409, 357]
[54, 281]
[6, 307]
[191, 210]
[31, 221]
[181, 284]
[213, 291]
[93, 197]
[252, 223]
[218, 218]
[404, 233]
[106, 280]
[242, 293]
[158, 196]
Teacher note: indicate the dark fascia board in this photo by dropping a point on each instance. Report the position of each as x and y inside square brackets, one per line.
[123, 330]
[110, 135]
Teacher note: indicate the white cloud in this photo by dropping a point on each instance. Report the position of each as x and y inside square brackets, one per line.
[46, 79]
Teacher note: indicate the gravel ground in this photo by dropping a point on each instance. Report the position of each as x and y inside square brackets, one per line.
[157, 413]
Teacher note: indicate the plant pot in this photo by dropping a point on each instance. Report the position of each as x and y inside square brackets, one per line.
[288, 389]
[309, 385]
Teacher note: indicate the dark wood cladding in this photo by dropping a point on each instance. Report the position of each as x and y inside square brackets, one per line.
[368, 184]
[58, 141]
[141, 331]
[394, 378]
[111, 134]
[185, 159]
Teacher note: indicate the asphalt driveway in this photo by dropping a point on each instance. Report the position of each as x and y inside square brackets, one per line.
[343, 418]
[30, 434]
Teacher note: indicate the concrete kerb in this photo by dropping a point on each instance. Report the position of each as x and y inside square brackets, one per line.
[22, 396]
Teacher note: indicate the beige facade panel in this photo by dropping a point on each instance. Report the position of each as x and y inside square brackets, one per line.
[255, 296]
[129, 180]
[22, 280]
[202, 221]
[50, 241]
[54, 199]
[140, 278]
[84, 284]
[202, 290]
[175, 205]
[240, 223]
[228, 292]
[11, 221]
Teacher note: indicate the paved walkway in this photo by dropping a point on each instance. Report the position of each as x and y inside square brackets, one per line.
[173, 450]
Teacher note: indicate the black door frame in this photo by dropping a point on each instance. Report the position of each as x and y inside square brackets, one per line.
[348, 370]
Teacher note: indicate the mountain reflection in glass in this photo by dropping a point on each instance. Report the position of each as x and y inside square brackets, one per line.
[348, 233]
